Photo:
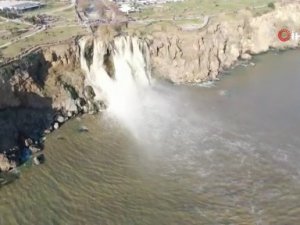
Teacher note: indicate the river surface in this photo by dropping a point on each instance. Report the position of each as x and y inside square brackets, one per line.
[224, 154]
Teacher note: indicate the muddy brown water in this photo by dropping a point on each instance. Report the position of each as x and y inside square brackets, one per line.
[225, 154]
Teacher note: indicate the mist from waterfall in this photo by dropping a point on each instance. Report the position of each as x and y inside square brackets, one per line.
[227, 154]
[119, 73]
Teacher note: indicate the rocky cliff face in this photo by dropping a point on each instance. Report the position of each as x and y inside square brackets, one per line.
[41, 80]
[53, 77]
[40, 92]
[196, 56]
[35, 88]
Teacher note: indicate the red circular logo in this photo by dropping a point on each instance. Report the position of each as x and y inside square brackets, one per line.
[284, 35]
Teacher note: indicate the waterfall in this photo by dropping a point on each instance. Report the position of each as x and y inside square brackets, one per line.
[118, 71]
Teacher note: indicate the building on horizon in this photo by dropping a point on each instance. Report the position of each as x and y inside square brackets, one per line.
[20, 6]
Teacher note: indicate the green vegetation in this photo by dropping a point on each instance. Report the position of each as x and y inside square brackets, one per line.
[10, 30]
[196, 8]
[65, 17]
[61, 21]
[60, 18]
[271, 5]
[11, 25]
[194, 13]
[49, 36]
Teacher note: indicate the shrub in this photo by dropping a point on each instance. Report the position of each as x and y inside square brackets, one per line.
[271, 5]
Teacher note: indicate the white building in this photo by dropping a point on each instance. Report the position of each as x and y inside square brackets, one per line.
[19, 5]
[126, 8]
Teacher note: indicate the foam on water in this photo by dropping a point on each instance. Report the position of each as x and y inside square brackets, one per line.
[207, 84]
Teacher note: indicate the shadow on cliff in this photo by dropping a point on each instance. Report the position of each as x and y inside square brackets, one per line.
[34, 66]
[38, 68]
[31, 117]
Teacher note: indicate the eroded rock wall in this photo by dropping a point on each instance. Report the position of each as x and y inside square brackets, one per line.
[51, 80]
[36, 89]
[40, 79]
[195, 56]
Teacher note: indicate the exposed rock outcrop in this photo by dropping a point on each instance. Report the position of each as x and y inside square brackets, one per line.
[196, 56]
[40, 92]
[42, 79]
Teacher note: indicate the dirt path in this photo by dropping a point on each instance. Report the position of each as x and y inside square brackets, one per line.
[23, 37]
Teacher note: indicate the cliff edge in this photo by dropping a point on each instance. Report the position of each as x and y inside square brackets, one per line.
[43, 89]
[200, 55]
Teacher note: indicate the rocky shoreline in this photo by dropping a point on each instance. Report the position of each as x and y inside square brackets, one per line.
[45, 89]
[27, 129]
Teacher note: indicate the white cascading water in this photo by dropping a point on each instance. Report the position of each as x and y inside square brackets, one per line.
[131, 61]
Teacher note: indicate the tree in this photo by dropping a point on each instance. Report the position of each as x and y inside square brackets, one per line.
[271, 5]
